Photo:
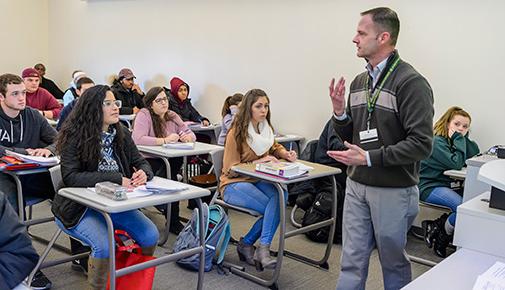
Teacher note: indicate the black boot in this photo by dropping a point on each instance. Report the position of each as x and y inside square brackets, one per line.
[431, 230]
[442, 240]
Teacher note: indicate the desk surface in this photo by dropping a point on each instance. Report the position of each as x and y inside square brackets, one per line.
[318, 171]
[480, 160]
[200, 148]
[457, 174]
[458, 271]
[201, 128]
[288, 138]
[493, 173]
[127, 117]
[88, 198]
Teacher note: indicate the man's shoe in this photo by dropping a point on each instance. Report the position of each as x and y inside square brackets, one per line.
[176, 228]
[40, 281]
[80, 265]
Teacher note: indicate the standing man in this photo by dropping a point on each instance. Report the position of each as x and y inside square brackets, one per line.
[46, 83]
[388, 120]
[39, 98]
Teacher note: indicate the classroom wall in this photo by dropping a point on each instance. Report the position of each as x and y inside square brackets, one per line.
[23, 34]
[289, 48]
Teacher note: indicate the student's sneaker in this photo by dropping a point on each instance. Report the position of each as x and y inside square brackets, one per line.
[80, 265]
[40, 281]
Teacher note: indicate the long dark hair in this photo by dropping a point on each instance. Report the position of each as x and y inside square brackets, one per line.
[230, 101]
[159, 123]
[84, 125]
[243, 117]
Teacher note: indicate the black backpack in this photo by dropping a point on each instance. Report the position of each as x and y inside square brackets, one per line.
[320, 210]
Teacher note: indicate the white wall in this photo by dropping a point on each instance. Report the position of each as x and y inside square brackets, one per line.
[288, 48]
[23, 34]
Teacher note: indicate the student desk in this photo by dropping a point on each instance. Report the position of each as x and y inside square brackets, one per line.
[285, 140]
[318, 171]
[165, 153]
[128, 119]
[473, 186]
[456, 174]
[212, 131]
[458, 271]
[107, 206]
[52, 122]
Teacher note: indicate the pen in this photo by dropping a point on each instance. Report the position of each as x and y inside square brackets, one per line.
[290, 146]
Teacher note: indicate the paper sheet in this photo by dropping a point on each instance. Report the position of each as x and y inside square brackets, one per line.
[492, 279]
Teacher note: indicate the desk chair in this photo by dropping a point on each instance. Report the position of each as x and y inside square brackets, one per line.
[57, 181]
[27, 201]
[217, 158]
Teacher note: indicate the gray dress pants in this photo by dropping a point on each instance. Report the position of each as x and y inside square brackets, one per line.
[376, 217]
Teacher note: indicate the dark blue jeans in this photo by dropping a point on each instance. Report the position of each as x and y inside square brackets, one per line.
[92, 230]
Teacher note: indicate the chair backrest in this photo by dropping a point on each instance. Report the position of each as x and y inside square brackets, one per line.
[56, 177]
[217, 159]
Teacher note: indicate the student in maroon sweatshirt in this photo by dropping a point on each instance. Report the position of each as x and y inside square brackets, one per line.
[39, 98]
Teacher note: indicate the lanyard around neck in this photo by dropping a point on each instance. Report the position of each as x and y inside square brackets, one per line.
[372, 100]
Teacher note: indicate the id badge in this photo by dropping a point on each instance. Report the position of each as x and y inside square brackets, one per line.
[367, 136]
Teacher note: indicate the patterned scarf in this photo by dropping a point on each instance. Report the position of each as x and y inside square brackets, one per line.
[108, 163]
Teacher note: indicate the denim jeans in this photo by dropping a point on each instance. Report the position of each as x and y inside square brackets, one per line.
[446, 197]
[92, 230]
[261, 197]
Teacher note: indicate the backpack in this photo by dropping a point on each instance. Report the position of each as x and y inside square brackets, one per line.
[217, 229]
[320, 210]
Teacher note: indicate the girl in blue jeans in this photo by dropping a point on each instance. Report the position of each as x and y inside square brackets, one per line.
[95, 147]
[451, 148]
[251, 139]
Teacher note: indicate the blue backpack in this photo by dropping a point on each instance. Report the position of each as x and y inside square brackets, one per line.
[217, 229]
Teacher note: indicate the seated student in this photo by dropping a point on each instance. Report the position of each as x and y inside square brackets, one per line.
[451, 148]
[128, 92]
[156, 124]
[70, 93]
[81, 86]
[181, 104]
[48, 84]
[39, 98]
[95, 147]
[251, 139]
[24, 130]
[17, 255]
[230, 108]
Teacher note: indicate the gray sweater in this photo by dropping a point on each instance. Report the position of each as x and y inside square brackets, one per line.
[403, 117]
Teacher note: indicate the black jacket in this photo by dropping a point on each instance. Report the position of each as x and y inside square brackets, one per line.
[52, 88]
[184, 109]
[129, 99]
[28, 130]
[76, 173]
[17, 255]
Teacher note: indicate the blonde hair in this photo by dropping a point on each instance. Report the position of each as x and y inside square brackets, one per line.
[441, 126]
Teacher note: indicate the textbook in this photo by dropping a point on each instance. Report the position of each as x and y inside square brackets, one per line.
[282, 169]
[42, 161]
[12, 163]
[180, 145]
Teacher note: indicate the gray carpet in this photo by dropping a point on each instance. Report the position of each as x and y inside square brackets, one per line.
[294, 275]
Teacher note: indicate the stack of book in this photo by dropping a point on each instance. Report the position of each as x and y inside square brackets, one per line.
[286, 170]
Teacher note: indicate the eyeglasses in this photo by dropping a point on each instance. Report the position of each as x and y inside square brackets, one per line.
[108, 103]
[161, 100]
